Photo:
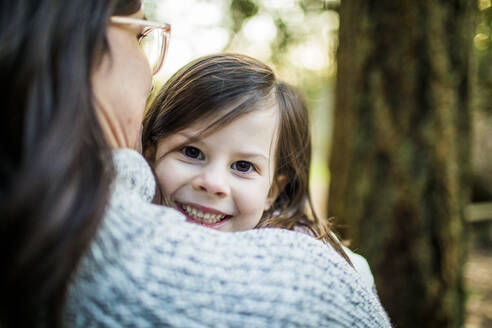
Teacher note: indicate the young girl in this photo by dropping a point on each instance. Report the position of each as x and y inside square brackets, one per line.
[231, 150]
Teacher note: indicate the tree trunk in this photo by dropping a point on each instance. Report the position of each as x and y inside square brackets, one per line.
[401, 147]
[482, 96]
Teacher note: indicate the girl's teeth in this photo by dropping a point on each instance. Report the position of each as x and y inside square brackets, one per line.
[198, 215]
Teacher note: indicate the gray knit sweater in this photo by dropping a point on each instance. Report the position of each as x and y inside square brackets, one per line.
[147, 267]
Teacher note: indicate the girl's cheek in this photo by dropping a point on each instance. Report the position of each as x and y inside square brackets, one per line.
[176, 174]
[254, 198]
[167, 174]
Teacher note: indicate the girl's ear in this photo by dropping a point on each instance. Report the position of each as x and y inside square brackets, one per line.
[278, 185]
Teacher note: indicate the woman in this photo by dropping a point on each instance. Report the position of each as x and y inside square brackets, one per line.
[78, 232]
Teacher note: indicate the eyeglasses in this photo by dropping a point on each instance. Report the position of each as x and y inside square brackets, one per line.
[154, 39]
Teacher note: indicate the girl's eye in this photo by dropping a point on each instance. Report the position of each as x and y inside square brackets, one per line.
[192, 152]
[243, 166]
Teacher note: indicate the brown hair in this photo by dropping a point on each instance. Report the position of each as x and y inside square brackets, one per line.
[205, 89]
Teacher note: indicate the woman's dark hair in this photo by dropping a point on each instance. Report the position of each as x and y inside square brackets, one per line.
[54, 174]
[224, 88]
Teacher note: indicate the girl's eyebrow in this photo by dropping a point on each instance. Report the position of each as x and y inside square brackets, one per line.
[191, 138]
[251, 155]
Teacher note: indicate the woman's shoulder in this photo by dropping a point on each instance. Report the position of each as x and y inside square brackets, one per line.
[360, 263]
[132, 174]
[180, 274]
[148, 264]
[362, 267]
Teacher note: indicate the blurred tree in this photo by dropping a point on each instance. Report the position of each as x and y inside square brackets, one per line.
[483, 48]
[482, 154]
[400, 168]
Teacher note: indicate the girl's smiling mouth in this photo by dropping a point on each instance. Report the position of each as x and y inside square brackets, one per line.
[203, 215]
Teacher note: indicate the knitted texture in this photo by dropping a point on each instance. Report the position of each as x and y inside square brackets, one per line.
[359, 262]
[148, 267]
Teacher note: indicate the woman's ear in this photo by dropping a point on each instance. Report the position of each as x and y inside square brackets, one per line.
[278, 185]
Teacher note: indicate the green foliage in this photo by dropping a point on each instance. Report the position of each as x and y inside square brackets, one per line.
[240, 11]
[316, 5]
[299, 26]
[281, 43]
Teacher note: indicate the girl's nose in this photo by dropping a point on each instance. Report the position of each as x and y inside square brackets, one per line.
[213, 181]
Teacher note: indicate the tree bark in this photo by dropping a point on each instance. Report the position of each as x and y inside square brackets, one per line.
[400, 169]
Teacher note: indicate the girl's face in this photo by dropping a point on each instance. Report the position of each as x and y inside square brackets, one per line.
[223, 180]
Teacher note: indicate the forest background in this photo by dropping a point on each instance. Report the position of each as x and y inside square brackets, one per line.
[400, 94]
